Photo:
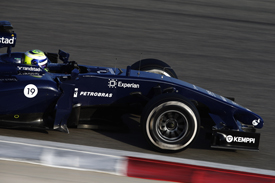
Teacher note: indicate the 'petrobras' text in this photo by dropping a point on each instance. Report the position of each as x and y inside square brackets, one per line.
[95, 94]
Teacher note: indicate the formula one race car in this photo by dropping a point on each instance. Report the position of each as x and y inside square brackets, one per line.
[71, 95]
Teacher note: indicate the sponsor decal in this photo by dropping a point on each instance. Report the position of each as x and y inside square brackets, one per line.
[30, 91]
[75, 92]
[95, 94]
[37, 69]
[230, 138]
[8, 79]
[114, 83]
[92, 94]
[34, 74]
[4, 40]
[255, 122]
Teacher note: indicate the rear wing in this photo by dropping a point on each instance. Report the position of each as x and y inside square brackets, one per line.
[7, 36]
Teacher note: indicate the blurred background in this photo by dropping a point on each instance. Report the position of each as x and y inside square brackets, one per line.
[226, 47]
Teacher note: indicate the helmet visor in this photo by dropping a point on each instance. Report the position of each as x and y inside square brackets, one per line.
[38, 62]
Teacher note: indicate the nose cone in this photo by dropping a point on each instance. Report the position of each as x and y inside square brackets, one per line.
[258, 122]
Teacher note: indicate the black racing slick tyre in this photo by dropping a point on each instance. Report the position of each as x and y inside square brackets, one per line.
[154, 66]
[170, 122]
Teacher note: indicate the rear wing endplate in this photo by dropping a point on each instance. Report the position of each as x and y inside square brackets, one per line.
[7, 35]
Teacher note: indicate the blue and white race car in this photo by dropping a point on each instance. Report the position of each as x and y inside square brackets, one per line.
[70, 95]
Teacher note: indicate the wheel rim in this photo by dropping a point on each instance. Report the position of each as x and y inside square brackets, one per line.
[171, 126]
[157, 71]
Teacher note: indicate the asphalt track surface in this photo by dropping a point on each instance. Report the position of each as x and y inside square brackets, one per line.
[224, 46]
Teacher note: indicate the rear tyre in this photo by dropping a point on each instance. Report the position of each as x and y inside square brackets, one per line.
[170, 123]
[154, 66]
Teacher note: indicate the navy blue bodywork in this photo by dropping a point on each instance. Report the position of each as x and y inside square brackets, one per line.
[71, 94]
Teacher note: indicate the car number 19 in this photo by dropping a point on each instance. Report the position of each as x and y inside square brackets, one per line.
[30, 91]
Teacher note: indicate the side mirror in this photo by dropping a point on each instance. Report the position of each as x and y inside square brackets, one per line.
[63, 56]
[74, 74]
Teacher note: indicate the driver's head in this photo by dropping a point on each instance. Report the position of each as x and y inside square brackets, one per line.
[36, 57]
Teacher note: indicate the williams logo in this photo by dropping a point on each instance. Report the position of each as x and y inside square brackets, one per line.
[255, 122]
[114, 83]
[4, 40]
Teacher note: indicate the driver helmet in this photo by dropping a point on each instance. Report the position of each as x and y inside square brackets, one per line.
[36, 57]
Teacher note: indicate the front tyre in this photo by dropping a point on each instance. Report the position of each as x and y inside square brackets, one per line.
[170, 123]
[154, 66]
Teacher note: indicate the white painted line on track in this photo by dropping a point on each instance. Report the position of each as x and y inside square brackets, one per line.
[63, 149]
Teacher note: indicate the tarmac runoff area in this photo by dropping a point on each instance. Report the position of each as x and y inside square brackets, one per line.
[123, 163]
